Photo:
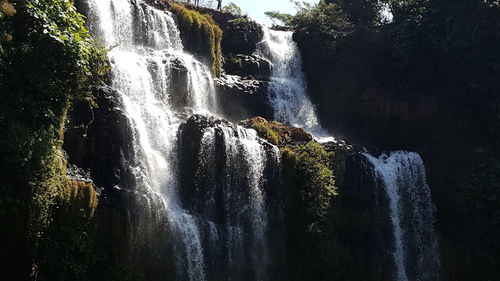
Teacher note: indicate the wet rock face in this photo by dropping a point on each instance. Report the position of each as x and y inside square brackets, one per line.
[193, 156]
[190, 142]
[241, 34]
[248, 66]
[240, 98]
[225, 174]
[362, 220]
[179, 78]
[98, 140]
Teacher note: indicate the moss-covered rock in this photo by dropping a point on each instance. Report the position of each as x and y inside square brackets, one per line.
[241, 33]
[200, 34]
[277, 133]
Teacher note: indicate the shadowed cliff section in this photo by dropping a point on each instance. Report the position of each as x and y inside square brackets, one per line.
[424, 83]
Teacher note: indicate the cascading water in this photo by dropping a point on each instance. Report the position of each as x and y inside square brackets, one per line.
[231, 182]
[287, 91]
[144, 47]
[144, 43]
[416, 255]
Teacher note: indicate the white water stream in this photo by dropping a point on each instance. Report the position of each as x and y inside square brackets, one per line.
[288, 89]
[416, 249]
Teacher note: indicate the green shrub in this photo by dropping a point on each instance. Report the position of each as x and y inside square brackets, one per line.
[310, 190]
[316, 177]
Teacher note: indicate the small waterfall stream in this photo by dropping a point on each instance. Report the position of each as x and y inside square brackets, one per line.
[416, 254]
[288, 89]
[144, 48]
[232, 185]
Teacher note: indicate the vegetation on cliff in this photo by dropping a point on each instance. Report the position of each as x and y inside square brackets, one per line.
[194, 25]
[47, 60]
[315, 179]
[310, 187]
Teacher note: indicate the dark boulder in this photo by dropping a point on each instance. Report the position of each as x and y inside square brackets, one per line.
[241, 99]
[248, 66]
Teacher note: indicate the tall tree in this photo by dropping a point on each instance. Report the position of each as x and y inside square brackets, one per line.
[408, 9]
[360, 12]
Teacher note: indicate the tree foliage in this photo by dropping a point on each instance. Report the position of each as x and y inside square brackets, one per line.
[233, 9]
[328, 18]
[279, 18]
[408, 9]
[360, 12]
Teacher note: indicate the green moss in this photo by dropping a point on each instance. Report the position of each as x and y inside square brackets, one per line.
[277, 133]
[236, 61]
[194, 21]
[264, 131]
[81, 196]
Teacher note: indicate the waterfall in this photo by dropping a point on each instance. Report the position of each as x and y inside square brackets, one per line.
[145, 50]
[230, 181]
[416, 255]
[288, 87]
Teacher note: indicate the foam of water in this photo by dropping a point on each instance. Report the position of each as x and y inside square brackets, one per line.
[416, 255]
[288, 87]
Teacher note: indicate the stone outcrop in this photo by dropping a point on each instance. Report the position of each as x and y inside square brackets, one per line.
[362, 224]
[241, 98]
[402, 96]
[252, 66]
[277, 133]
[241, 34]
